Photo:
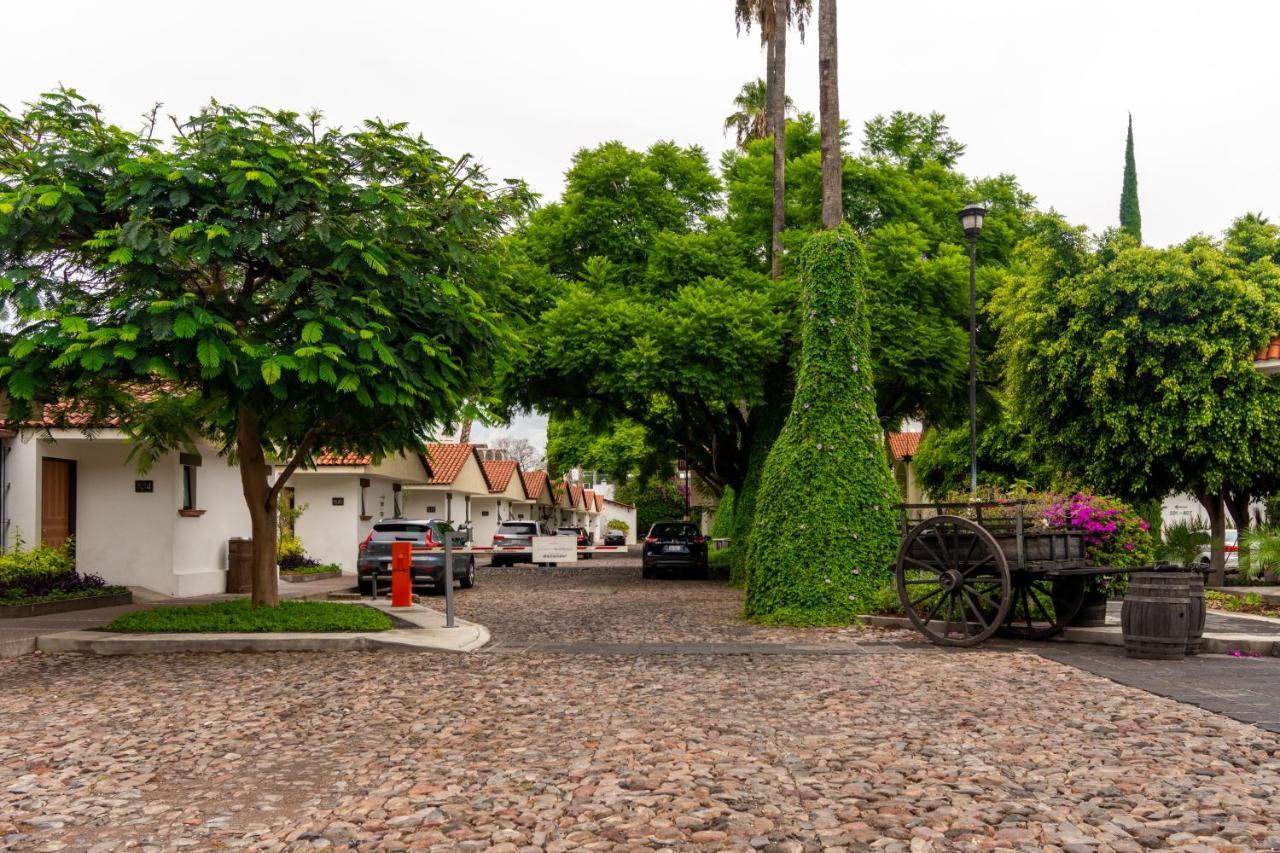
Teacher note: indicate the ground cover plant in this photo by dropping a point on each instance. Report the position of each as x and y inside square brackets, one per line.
[45, 573]
[1249, 603]
[309, 566]
[239, 617]
[818, 562]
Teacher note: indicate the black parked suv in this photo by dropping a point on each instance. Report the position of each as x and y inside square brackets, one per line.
[674, 545]
[584, 538]
[615, 537]
[427, 569]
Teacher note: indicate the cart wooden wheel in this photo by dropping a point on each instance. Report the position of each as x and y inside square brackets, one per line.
[1042, 606]
[953, 581]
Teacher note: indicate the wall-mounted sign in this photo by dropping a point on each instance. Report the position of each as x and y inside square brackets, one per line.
[431, 509]
[484, 513]
[144, 486]
[339, 501]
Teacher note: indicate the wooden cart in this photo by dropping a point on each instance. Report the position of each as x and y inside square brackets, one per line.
[967, 571]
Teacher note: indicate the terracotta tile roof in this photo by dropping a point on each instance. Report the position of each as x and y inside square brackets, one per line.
[67, 415]
[499, 472]
[445, 462]
[903, 445]
[599, 503]
[576, 491]
[1269, 352]
[536, 483]
[328, 457]
[589, 500]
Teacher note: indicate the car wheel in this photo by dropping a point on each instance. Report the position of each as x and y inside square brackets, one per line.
[366, 587]
[469, 579]
[646, 573]
[701, 574]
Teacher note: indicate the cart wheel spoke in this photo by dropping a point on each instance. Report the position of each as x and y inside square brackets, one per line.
[920, 564]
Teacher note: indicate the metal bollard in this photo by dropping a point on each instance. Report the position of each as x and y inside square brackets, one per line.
[401, 583]
[459, 536]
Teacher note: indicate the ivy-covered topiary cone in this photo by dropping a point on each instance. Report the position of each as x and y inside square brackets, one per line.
[825, 532]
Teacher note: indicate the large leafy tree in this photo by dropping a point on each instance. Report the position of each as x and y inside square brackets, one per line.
[661, 317]
[1131, 368]
[901, 196]
[261, 280]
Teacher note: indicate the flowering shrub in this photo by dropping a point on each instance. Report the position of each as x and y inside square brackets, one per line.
[1114, 534]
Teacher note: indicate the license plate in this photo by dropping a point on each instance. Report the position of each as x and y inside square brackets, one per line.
[676, 549]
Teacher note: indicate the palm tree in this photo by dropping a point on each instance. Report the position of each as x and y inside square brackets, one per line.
[751, 119]
[829, 110]
[766, 13]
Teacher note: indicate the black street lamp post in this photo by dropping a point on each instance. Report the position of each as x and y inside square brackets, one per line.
[971, 221]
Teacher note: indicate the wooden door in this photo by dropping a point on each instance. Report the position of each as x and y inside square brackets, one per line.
[57, 501]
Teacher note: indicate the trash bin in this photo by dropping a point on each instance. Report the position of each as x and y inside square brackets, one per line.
[239, 565]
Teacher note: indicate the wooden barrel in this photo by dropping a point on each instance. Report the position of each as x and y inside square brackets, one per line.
[1195, 625]
[1156, 617]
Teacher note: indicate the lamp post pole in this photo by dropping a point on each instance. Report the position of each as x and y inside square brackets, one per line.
[971, 220]
[973, 365]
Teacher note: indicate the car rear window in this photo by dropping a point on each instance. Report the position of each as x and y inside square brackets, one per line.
[519, 528]
[394, 531]
[674, 530]
[572, 530]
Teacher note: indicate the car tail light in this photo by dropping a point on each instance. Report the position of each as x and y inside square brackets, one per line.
[699, 540]
[367, 540]
[1230, 549]
[650, 540]
[499, 537]
[431, 538]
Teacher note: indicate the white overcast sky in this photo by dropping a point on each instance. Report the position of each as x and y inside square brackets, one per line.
[1039, 89]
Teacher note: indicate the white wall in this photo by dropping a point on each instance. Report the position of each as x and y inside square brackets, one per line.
[130, 537]
[1184, 507]
[329, 533]
[628, 514]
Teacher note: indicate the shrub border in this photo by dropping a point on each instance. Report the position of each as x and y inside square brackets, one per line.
[67, 605]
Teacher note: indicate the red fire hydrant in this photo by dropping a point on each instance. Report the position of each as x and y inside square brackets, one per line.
[401, 585]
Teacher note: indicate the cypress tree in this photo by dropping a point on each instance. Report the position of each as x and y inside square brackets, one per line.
[824, 533]
[1130, 215]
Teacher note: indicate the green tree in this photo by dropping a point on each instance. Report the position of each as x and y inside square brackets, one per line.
[655, 499]
[618, 449]
[660, 317]
[750, 118]
[260, 280]
[1130, 214]
[1134, 372]
[826, 555]
[1005, 460]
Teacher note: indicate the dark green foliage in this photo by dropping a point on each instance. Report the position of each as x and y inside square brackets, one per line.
[655, 500]
[824, 533]
[1131, 369]
[744, 510]
[238, 617]
[1005, 461]
[1130, 215]
[616, 448]
[722, 525]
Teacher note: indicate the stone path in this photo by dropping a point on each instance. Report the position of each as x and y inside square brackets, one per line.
[879, 742]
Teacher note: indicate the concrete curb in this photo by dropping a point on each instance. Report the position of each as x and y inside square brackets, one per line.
[429, 636]
[17, 648]
[1213, 643]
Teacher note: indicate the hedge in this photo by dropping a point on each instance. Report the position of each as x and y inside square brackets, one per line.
[824, 533]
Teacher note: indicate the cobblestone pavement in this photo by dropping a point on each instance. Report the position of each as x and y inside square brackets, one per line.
[901, 748]
[606, 601]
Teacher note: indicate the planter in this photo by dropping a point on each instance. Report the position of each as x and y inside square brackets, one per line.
[1093, 611]
[298, 577]
[66, 605]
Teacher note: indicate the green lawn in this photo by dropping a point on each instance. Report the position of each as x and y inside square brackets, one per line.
[238, 617]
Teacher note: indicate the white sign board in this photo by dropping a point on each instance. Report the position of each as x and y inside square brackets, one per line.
[555, 549]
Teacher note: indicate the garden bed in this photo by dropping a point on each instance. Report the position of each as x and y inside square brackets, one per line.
[107, 596]
[309, 573]
[238, 617]
[1251, 603]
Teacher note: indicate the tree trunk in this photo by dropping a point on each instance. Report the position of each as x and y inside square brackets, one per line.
[777, 84]
[1238, 506]
[1212, 504]
[829, 108]
[262, 510]
[464, 433]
